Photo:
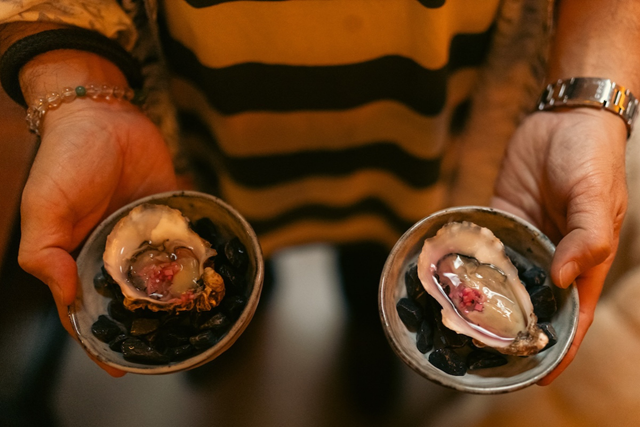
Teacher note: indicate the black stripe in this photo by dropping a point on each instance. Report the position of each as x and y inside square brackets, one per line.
[330, 214]
[432, 4]
[266, 171]
[198, 4]
[275, 87]
[273, 170]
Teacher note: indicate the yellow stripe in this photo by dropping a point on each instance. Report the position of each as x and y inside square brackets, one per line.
[265, 133]
[325, 32]
[359, 228]
[408, 202]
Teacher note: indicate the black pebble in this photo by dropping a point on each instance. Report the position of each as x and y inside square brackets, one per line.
[180, 352]
[414, 287]
[236, 254]
[207, 230]
[548, 329]
[143, 326]
[218, 323]
[534, 276]
[106, 329]
[480, 359]
[198, 318]
[182, 318]
[135, 350]
[410, 313]
[177, 335]
[234, 283]
[118, 312]
[544, 303]
[102, 285]
[116, 343]
[156, 340]
[520, 262]
[204, 340]
[449, 361]
[233, 305]
[117, 292]
[424, 337]
[445, 337]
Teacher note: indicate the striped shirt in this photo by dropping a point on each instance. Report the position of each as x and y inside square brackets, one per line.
[325, 120]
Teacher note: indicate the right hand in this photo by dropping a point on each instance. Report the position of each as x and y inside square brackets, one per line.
[94, 157]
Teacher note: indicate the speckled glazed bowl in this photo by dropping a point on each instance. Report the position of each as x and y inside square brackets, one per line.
[521, 236]
[89, 304]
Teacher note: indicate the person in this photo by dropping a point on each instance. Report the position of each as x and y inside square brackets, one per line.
[331, 120]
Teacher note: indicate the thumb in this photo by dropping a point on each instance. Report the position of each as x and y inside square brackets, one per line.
[58, 270]
[586, 245]
[55, 267]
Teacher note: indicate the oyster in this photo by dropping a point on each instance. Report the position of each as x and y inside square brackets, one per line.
[465, 268]
[159, 262]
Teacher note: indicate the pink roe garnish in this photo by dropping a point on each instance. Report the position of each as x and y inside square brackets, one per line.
[471, 299]
[158, 278]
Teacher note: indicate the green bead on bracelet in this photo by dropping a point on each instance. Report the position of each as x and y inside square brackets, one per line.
[53, 100]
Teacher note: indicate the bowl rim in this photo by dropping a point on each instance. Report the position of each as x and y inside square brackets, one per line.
[449, 380]
[234, 332]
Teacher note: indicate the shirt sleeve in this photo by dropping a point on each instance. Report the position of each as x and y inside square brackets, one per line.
[105, 17]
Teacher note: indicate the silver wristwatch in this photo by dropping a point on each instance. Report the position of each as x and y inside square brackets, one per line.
[591, 92]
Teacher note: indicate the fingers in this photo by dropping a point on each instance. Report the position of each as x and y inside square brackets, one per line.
[589, 289]
[116, 373]
[63, 313]
[585, 255]
[591, 237]
[579, 251]
[57, 269]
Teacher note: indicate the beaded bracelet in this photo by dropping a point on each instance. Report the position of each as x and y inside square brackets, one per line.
[27, 48]
[53, 100]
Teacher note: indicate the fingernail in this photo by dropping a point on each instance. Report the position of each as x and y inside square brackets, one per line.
[568, 274]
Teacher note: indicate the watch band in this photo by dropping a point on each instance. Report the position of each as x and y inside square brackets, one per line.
[591, 92]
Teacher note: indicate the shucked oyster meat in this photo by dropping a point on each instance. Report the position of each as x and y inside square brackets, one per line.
[159, 262]
[465, 268]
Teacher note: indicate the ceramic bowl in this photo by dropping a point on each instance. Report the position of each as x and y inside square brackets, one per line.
[519, 235]
[89, 304]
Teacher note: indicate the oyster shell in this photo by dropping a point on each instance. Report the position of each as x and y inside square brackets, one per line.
[465, 268]
[159, 261]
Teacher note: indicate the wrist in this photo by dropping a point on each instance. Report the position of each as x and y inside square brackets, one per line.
[595, 93]
[582, 126]
[591, 40]
[55, 70]
[76, 41]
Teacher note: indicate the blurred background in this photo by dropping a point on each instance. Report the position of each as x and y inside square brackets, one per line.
[288, 368]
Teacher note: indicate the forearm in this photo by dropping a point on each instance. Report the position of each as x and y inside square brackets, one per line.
[593, 39]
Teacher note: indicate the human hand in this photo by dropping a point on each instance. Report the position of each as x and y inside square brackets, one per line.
[94, 157]
[565, 173]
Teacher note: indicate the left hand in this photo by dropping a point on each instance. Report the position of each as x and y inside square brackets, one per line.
[564, 171]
